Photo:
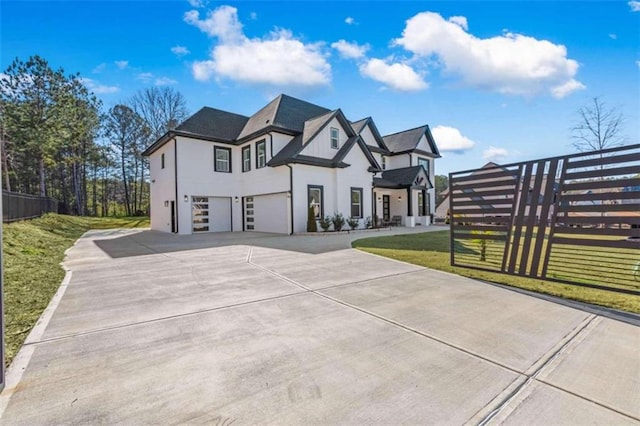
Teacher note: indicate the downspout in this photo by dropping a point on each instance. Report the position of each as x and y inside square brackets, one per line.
[291, 194]
[175, 180]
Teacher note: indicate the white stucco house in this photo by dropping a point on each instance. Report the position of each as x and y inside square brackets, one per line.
[220, 171]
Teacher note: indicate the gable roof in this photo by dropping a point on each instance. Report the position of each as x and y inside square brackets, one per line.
[408, 140]
[283, 112]
[214, 123]
[403, 178]
[359, 126]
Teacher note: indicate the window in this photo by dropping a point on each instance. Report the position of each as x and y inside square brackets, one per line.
[162, 161]
[335, 138]
[223, 159]
[384, 162]
[356, 202]
[424, 162]
[261, 154]
[421, 204]
[314, 195]
[246, 158]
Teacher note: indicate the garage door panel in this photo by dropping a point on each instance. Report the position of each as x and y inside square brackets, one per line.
[267, 213]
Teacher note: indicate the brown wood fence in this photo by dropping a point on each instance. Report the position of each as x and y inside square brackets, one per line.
[572, 219]
[16, 206]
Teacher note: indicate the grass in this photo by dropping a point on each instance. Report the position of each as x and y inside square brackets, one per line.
[432, 250]
[32, 252]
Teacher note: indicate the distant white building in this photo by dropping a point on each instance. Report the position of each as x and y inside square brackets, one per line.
[220, 171]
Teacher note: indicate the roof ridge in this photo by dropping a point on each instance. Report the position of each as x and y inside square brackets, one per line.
[406, 131]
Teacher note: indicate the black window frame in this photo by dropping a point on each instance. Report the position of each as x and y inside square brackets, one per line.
[384, 163]
[245, 167]
[421, 161]
[321, 189]
[263, 143]
[215, 158]
[162, 160]
[351, 203]
[331, 129]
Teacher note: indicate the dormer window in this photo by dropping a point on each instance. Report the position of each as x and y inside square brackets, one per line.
[335, 138]
[384, 162]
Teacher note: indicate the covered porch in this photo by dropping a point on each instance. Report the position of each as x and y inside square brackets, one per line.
[401, 198]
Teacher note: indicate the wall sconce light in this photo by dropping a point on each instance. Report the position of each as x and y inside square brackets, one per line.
[399, 197]
[379, 198]
[288, 194]
[237, 199]
[166, 203]
[186, 198]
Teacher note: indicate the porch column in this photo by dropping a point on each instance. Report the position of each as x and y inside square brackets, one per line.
[409, 203]
[424, 203]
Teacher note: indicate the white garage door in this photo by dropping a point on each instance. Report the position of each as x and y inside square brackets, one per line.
[267, 213]
[211, 214]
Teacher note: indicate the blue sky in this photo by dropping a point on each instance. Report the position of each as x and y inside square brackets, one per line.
[496, 81]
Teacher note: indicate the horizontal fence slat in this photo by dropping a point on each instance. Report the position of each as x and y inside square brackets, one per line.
[629, 170]
[490, 174]
[600, 208]
[597, 220]
[482, 211]
[482, 228]
[596, 196]
[506, 192]
[596, 243]
[496, 202]
[486, 219]
[625, 158]
[628, 232]
[601, 184]
[499, 183]
[491, 237]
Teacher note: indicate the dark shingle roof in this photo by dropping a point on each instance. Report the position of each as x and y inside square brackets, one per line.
[359, 125]
[284, 112]
[214, 123]
[408, 140]
[400, 178]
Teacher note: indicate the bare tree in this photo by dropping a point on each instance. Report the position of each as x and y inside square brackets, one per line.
[598, 127]
[161, 107]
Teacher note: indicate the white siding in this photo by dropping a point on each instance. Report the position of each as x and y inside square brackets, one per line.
[367, 136]
[279, 142]
[320, 146]
[162, 187]
[398, 161]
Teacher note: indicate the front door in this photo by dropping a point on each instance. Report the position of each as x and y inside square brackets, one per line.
[385, 208]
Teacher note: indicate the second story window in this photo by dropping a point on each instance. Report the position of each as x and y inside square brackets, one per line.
[335, 138]
[246, 158]
[162, 161]
[261, 154]
[222, 159]
[384, 162]
[424, 162]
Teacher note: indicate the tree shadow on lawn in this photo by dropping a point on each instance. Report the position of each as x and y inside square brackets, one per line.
[432, 241]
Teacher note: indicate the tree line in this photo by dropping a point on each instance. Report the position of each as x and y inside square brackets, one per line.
[56, 139]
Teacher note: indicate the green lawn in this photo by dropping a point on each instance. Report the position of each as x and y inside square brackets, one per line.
[32, 252]
[431, 249]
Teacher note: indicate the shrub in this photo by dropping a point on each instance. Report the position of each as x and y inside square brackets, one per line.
[353, 222]
[367, 222]
[325, 223]
[338, 221]
[312, 226]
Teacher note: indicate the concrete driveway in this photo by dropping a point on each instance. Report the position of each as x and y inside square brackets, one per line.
[256, 328]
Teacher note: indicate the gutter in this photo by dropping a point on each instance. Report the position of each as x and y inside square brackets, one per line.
[291, 192]
[175, 180]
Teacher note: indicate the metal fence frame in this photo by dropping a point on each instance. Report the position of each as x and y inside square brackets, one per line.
[17, 206]
[573, 219]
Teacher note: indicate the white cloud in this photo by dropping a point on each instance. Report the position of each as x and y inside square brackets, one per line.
[634, 5]
[275, 59]
[450, 139]
[98, 69]
[180, 50]
[460, 21]
[509, 63]
[350, 21]
[350, 50]
[164, 81]
[196, 3]
[613, 36]
[122, 64]
[146, 77]
[493, 154]
[397, 76]
[97, 88]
